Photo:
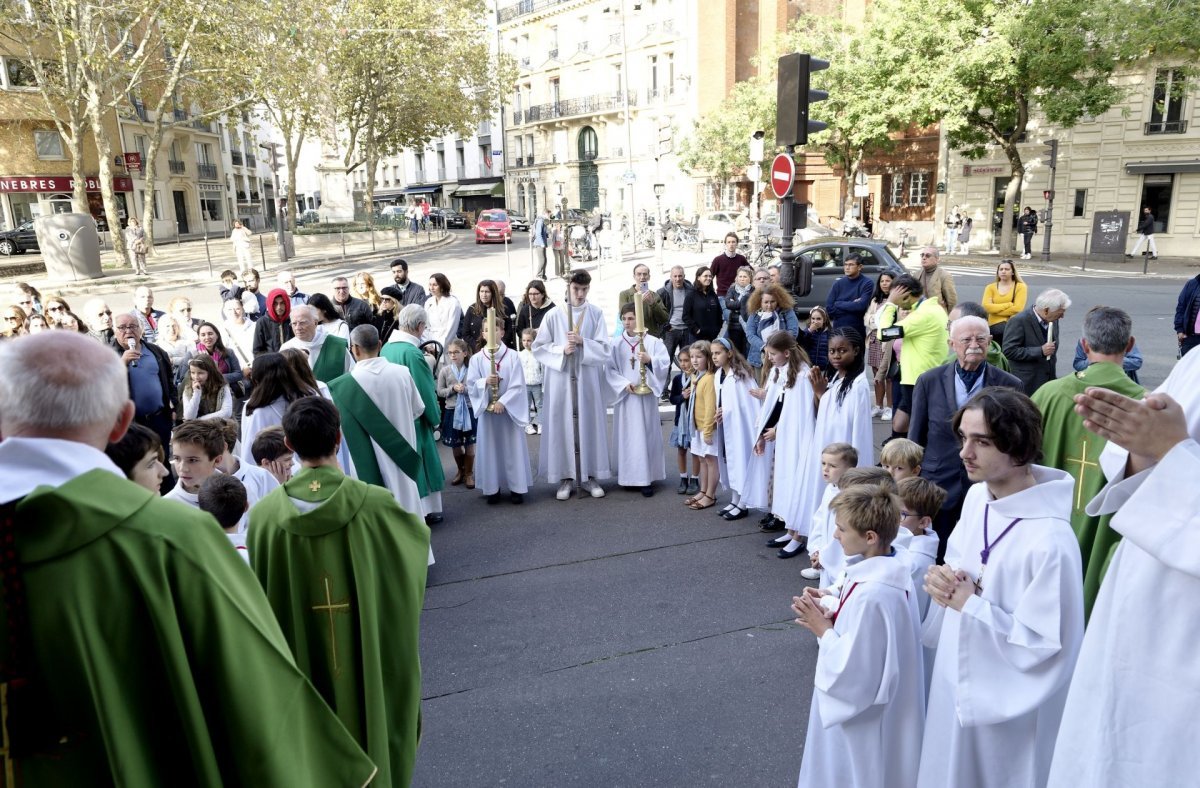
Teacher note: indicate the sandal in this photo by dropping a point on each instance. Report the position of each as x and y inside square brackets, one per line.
[698, 506]
[693, 499]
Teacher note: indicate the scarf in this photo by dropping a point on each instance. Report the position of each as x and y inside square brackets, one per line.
[217, 356]
[462, 408]
[969, 377]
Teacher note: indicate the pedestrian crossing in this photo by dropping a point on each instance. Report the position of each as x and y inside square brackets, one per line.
[972, 272]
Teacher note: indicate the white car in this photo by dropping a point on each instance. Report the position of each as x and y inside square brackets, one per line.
[714, 224]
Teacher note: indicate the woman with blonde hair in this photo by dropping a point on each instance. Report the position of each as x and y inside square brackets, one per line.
[1004, 298]
[363, 286]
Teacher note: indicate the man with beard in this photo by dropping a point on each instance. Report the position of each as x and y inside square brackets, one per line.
[271, 331]
[410, 292]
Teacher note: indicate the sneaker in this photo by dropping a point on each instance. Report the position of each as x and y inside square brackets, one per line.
[530, 429]
[683, 486]
[595, 489]
[808, 573]
[693, 486]
[876, 411]
[886, 415]
[564, 490]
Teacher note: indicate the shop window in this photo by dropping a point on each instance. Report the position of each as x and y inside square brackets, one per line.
[1080, 202]
[210, 208]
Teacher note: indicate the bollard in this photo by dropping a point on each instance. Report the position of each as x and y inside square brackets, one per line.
[396, 230]
[372, 239]
[1085, 250]
[207, 254]
[1145, 261]
[262, 252]
[343, 234]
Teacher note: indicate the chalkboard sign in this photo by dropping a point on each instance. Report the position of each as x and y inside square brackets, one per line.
[1110, 232]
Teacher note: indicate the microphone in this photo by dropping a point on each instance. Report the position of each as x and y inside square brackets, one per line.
[133, 344]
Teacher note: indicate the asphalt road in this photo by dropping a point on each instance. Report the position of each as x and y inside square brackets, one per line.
[629, 641]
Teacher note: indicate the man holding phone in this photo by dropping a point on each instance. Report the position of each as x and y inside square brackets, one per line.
[654, 311]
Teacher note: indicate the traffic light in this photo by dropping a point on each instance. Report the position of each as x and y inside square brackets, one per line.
[794, 97]
[273, 148]
[1051, 154]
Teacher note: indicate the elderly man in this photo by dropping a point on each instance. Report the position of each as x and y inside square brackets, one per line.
[923, 338]
[672, 296]
[147, 315]
[328, 355]
[403, 348]
[353, 310]
[98, 317]
[938, 394]
[379, 404]
[1031, 339]
[156, 596]
[850, 295]
[151, 384]
[653, 311]
[410, 292]
[1066, 445]
[287, 281]
[937, 284]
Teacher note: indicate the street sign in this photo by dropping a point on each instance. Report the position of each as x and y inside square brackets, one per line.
[754, 172]
[783, 173]
[860, 179]
[861, 190]
[630, 176]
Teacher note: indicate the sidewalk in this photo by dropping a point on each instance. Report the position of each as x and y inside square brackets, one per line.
[1163, 268]
[201, 262]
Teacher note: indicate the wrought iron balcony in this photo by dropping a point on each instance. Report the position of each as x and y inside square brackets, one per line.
[586, 105]
[511, 12]
[1166, 127]
[180, 115]
[206, 172]
[176, 167]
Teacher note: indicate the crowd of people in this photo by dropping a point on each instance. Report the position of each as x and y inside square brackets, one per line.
[303, 422]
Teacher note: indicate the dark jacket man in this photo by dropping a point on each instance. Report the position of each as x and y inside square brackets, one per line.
[1031, 340]
[274, 328]
[354, 311]
[1186, 311]
[850, 297]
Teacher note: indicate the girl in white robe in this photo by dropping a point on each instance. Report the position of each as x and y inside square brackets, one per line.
[737, 412]
[844, 413]
[501, 450]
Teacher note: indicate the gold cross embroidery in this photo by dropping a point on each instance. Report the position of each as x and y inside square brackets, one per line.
[314, 486]
[329, 608]
[1084, 464]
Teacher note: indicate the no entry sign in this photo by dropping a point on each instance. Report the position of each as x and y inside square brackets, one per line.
[783, 173]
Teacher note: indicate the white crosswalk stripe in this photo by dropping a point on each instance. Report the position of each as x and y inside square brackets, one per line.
[970, 272]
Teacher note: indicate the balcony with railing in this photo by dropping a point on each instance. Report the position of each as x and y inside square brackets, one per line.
[206, 172]
[1166, 127]
[525, 7]
[659, 94]
[518, 117]
[586, 105]
[254, 197]
[236, 155]
[241, 197]
[176, 167]
[180, 115]
[584, 46]
[139, 111]
[441, 173]
[203, 125]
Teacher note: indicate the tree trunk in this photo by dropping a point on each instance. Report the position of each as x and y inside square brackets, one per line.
[104, 152]
[150, 168]
[79, 200]
[1010, 197]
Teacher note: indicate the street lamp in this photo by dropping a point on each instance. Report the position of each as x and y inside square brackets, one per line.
[659, 188]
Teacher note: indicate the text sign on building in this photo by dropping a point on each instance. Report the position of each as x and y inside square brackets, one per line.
[133, 162]
[62, 183]
[985, 169]
[783, 173]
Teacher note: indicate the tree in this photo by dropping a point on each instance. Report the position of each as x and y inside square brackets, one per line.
[984, 70]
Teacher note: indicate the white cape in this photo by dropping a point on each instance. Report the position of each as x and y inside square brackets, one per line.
[637, 442]
[390, 386]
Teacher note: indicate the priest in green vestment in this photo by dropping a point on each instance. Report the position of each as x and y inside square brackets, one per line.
[344, 568]
[136, 648]
[403, 348]
[1066, 445]
[328, 355]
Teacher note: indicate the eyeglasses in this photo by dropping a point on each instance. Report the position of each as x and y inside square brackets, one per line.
[126, 328]
[59, 308]
[905, 515]
[927, 254]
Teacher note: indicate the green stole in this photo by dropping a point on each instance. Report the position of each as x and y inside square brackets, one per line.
[331, 361]
[362, 421]
[1068, 445]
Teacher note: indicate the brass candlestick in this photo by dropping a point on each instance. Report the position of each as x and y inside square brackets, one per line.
[494, 389]
[641, 387]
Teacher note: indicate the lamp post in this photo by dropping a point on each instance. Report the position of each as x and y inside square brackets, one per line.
[754, 171]
[658, 221]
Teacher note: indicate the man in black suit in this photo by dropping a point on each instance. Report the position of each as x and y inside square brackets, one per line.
[938, 394]
[1031, 340]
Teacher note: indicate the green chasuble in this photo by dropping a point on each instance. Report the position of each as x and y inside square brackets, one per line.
[347, 582]
[331, 361]
[1068, 446]
[431, 478]
[156, 659]
[362, 420]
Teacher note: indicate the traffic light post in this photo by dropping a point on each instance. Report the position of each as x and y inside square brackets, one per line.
[281, 216]
[794, 94]
[1048, 224]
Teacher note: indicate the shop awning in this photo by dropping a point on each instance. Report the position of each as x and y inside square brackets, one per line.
[1162, 167]
[480, 190]
[437, 187]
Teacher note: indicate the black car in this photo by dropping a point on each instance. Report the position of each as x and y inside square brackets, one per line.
[20, 240]
[826, 256]
[451, 218]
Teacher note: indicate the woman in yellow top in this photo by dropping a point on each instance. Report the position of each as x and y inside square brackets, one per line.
[1004, 298]
[704, 419]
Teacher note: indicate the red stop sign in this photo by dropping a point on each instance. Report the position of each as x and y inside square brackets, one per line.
[783, 173]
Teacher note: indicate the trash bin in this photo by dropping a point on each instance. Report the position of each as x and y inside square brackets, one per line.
[70, 245]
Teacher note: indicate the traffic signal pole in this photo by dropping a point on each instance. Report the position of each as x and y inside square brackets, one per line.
[1048, 224]
[794, 94]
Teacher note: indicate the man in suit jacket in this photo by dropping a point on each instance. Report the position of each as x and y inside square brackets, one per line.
[1031, 339]
[938, 394]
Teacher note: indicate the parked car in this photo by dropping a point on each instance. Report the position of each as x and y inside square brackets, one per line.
[518, 222]
[308, 217]
[714, 224]
[826, 256]
[450, 218]
[493, 227]
[20, 240]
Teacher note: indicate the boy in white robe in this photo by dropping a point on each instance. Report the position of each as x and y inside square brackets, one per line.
[637, 445]
[584, 348]
[836, 459]
[501, 451]
[868, 705]
[1007, 618]
[1135, 688]
[225, 498]
[917, 542]
[257, 481]
[196, 449]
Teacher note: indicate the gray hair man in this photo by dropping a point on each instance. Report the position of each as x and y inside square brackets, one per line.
[328, 355]
[91, 542]
[1031, 339]
[404, 348]
[99, 320]
[287, 281]
[354, 311]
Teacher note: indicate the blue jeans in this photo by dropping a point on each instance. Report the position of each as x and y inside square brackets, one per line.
[534, 391]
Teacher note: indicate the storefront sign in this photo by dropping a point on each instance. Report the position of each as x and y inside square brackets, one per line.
[210, 187]
[64, 183]
[984, 169]
[133, 162]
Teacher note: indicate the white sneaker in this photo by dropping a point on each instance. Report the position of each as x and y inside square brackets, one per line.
[592, 487]
[564, 490]
[530, 429]
[876, 411]
[809, 573]
[886, 415]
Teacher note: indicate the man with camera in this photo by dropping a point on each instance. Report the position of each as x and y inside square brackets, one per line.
[923, 338]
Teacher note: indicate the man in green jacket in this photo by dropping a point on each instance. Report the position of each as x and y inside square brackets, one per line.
[923, 335]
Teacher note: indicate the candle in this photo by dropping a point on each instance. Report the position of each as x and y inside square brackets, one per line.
[639, 316]
[491, 328]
